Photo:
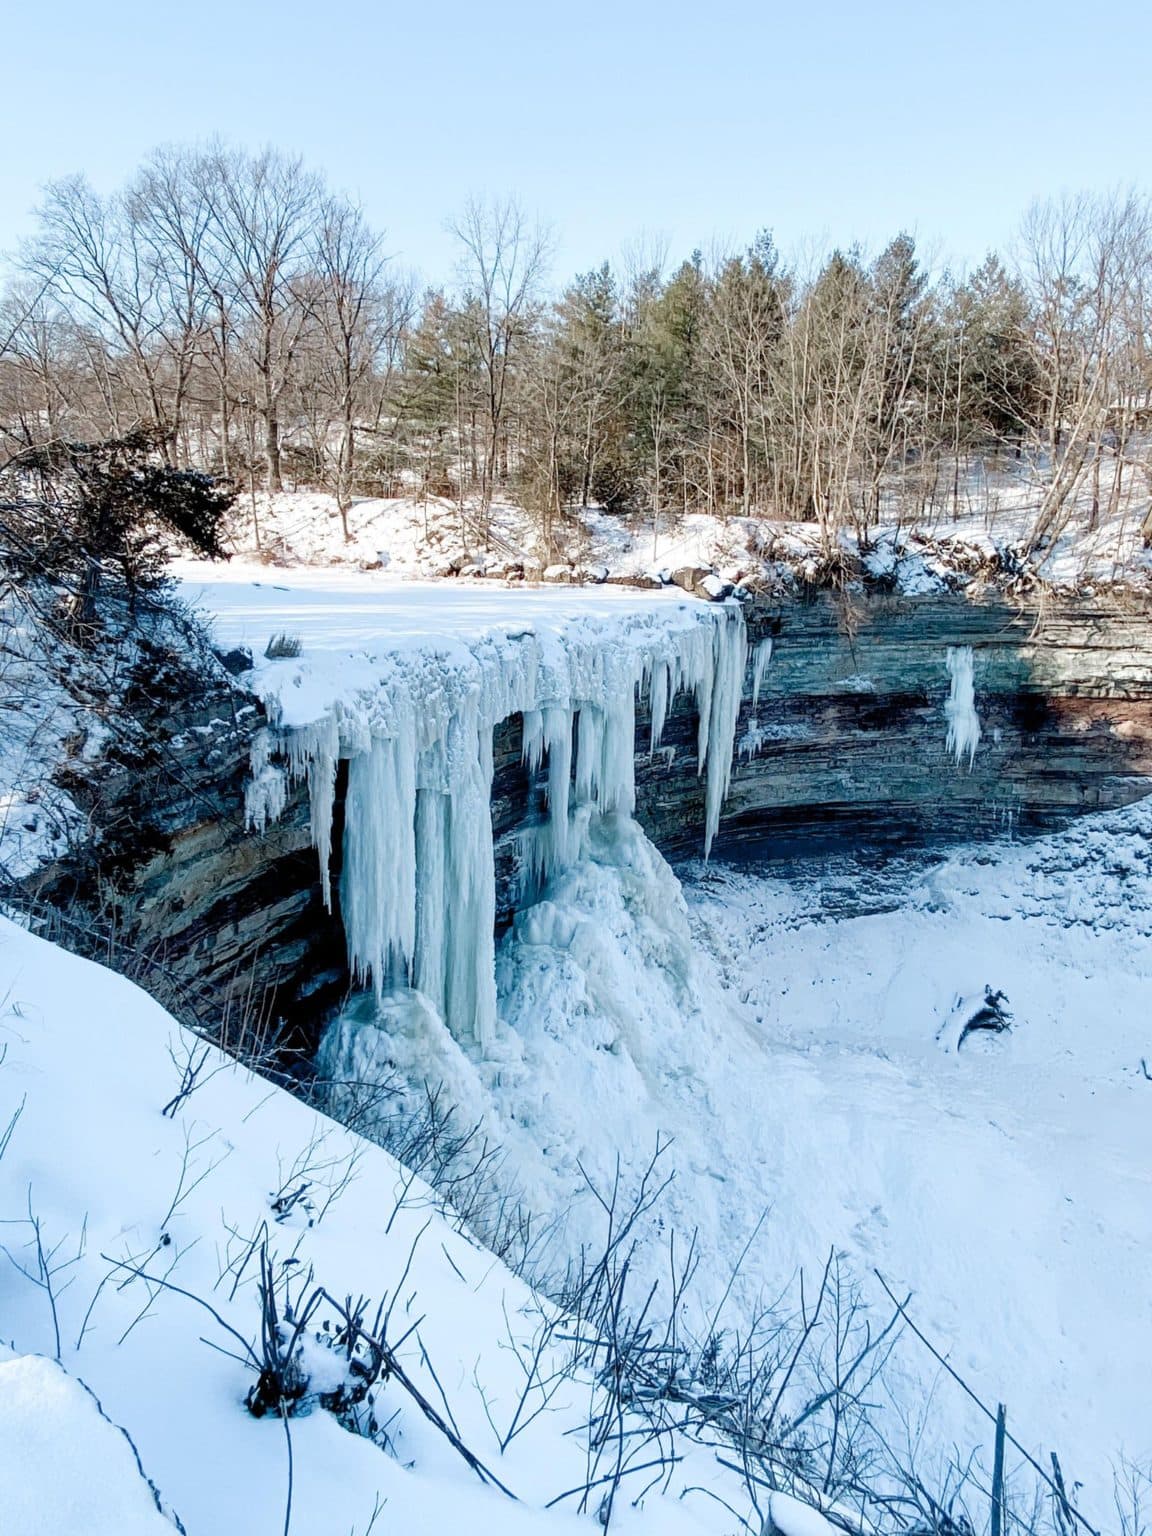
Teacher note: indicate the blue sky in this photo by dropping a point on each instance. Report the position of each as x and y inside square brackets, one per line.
[824, 122]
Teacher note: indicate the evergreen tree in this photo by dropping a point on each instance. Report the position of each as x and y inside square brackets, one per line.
[78, 512]
[1001, 389]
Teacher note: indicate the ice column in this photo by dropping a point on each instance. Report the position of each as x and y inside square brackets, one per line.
[378, 888]
[960, 706]
[730, 644]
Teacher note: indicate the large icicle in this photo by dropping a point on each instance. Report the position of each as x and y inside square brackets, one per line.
[754, 735]
[960, 706]
[418, 879]
[760, 659]
[378, 886]
[730, 649]
[658, 688]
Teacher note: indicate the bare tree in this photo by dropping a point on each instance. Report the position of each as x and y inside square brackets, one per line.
[359, 319]
[37, 390]
[92, 254]
[502, 263]
[1087, 263]
[171, 219]
[263, 211]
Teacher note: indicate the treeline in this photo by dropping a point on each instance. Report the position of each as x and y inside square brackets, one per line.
[250, 318]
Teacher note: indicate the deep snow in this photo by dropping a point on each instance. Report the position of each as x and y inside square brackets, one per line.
[113, 1190]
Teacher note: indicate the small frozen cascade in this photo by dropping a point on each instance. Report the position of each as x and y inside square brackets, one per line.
[755, 735]
[760, 659]
[417, 891]
[960, 706]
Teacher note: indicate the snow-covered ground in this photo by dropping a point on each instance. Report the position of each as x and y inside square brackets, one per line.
[793, 1059]
[129, 1240]
[800, 1041]
[984, 528]
[353, 625]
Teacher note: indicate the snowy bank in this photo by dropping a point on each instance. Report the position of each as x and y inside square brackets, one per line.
[151, 1226]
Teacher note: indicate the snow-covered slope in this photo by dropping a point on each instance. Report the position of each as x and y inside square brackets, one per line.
[75, 1470]
[132, 1243]
[986, 528]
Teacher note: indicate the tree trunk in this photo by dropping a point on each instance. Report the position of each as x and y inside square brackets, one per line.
[272, 450]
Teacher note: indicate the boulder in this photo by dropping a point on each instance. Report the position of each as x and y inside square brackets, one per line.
[713, 588]
[689, 577]
[235, 661]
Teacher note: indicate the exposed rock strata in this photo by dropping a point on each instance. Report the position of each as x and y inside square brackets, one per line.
[847, 740]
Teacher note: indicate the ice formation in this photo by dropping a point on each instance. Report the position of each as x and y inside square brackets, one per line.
[417, 892]
[960, 706]
[755, 735]
[760, 659]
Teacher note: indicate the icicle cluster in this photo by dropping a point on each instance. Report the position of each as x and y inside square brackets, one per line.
[960, 706]
[418, 883]
[754, 736]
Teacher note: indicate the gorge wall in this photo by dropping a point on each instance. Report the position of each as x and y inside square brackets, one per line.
[849, 737]
[846, 741]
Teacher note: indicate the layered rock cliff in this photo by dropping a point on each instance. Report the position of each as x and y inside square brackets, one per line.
[849, 737]
[846, 740]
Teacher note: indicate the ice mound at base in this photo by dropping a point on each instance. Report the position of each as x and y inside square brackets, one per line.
[398, 1037]
[599, 1006]
[609, 930]
[605, 954]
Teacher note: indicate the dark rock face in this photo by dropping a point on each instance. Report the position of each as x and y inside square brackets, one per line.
[847, 742]
[852, 733]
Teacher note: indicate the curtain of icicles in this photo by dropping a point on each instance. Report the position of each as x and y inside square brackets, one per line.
[418, 885]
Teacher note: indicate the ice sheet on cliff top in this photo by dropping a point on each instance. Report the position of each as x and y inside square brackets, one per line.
[353, 625]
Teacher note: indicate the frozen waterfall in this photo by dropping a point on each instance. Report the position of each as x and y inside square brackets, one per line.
[417, 891]
[960, 706]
